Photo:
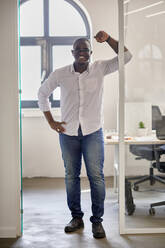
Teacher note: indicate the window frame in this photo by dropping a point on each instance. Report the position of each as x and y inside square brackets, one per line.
[46, 43]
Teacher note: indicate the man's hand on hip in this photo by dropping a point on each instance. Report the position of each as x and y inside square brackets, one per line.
[57, 126]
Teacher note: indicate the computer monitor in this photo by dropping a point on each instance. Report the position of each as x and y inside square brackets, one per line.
[156, 116]
[160, 129]
[158, 122]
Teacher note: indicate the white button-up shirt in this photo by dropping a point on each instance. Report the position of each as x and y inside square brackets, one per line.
[81, 94]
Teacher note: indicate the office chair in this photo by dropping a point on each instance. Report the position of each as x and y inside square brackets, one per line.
[129, 202]
[147, 152]
[161, 167]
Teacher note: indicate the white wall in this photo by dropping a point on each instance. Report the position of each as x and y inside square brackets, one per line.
[9, 124]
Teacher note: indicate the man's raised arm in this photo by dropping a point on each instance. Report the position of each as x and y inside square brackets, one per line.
[102, 36]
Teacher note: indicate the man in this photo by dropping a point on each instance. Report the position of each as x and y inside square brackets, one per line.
[80, 132]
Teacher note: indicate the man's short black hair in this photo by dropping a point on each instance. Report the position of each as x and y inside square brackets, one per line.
[81, 40]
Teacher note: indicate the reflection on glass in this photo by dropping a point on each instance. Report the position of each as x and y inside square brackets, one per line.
[150, 62]
[145, 91]
[65, 20]
[149, 52]
[30, 71]
[31, 18]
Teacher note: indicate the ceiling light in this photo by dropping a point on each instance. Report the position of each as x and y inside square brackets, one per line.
[126, 1]
[146, 7]
[155, 14]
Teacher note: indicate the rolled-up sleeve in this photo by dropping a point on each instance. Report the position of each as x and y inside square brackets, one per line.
[112, 65]
[45, 91]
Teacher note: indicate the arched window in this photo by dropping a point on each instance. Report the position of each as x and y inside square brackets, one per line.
[150, 51]
[47, 32]
[150, 62]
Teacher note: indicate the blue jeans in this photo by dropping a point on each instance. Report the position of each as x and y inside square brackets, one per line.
[92, 148]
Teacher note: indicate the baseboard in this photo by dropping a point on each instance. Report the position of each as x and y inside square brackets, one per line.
[8, 232]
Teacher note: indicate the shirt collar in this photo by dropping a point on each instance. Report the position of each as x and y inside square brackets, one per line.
[73, 70]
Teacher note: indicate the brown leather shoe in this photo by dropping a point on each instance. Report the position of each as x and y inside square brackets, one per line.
[98, 230]
[74, 225]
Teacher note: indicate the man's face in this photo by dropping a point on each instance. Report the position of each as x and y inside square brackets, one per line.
[82, 52]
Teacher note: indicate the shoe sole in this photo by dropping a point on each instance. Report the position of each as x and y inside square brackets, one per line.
[68, 230]
[99, 236]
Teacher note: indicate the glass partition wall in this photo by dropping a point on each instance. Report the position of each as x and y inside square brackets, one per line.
[142, 149]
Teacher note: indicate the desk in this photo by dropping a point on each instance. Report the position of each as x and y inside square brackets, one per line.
[147, 140]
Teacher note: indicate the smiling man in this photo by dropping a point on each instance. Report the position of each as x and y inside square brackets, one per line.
[80, 131]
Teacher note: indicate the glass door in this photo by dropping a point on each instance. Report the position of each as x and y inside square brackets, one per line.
[142, 152]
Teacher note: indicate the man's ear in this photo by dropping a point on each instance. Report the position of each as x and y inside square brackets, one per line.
[91, 52]
[72, 51]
